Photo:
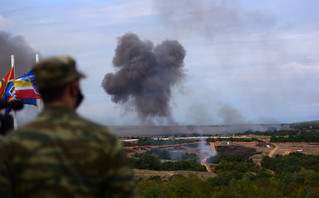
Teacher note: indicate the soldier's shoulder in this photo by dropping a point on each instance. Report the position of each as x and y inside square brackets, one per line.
[30, 128]
[96, 128]
[16, 138]
[91, 124]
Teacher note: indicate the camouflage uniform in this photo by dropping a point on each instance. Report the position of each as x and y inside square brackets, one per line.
[63, 155]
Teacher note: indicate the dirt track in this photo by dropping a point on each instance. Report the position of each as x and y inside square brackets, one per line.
[272, 152]
[203, 162]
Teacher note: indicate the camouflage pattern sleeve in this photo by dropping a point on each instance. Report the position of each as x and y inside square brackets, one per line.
[121, 182]
[6, 183]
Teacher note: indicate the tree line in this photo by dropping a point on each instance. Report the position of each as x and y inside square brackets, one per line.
[302, 136]
[293, 175]
[172, 155]
[145, 141]
[153, 162]
[233, 139]
[305, 125]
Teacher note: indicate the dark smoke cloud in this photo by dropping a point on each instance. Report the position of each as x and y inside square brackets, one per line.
[146, 75]
[24, 55]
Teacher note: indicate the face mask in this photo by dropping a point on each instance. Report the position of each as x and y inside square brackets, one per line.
[79, 99]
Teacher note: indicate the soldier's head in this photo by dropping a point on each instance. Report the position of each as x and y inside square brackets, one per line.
[58, 78]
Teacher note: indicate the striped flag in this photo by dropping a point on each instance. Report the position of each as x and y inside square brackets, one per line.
[4, 82]
[9, 94]
[26, 88]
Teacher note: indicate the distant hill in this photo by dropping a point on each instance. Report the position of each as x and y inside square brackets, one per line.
[305, 125]
[209, 130]
[186, 129]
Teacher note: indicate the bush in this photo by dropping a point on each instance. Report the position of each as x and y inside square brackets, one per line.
[146, 161]
[190, 165]
[293, 162]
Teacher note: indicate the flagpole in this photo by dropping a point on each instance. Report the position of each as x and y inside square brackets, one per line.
[15, 123]
[39, 105]
[36, 58]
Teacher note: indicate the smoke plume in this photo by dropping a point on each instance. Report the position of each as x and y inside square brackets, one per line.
[24, 55]
[145, 75]
[231, 115]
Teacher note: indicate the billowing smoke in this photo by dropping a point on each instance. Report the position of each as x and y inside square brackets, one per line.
[145, 75]
[24, 55]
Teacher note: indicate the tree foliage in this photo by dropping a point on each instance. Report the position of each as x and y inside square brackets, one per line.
[179, 186]
[168, 155]
[146, 161]
[145, 141]
[275, 132]
[153, 162]
[305, 125]
[294, 175]
[291, 163]
[190, 165]
[233, 139]
[302, 136]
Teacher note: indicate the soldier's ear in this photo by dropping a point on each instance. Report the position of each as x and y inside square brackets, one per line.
[74, 88]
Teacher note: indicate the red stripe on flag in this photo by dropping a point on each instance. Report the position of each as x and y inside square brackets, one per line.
[27, 93]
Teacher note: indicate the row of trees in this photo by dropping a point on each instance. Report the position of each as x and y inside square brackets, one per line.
[302, 137]
[153, 162]
[169, 155]
[271, 133]
[234, 139]
[248, 181]
[144, 141]
[305, 125]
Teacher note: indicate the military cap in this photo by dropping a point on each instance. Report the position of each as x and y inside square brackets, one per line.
[56, 71]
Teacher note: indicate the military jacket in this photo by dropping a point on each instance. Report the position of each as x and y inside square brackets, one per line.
[63, 155]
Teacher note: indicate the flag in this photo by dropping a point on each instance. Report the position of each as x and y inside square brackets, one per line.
[21, 89]
[4, 82]
[26, 88]
[9, 95]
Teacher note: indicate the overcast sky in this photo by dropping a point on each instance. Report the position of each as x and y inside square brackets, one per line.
[247, 61]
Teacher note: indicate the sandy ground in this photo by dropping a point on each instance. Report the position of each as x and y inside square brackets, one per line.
[306, 148]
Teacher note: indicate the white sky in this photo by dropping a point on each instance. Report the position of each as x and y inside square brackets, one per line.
[247, 61]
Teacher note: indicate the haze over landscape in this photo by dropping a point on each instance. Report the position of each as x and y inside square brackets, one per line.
[244, 61]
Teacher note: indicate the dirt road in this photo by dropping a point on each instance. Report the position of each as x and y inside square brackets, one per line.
[272, 152]
[213, 152]
[203, 162]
